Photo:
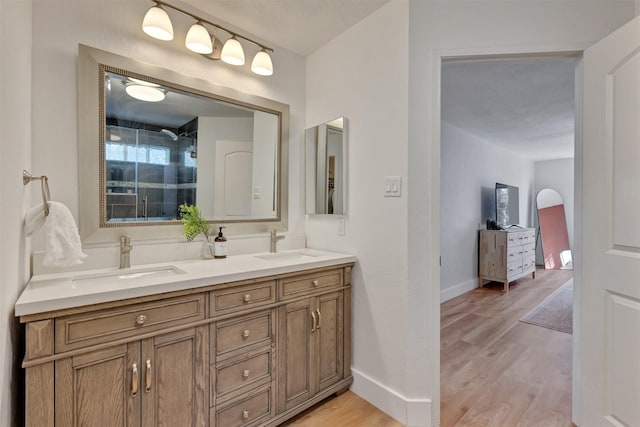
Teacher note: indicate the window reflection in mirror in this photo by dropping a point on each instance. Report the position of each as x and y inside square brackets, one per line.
[325, 158]
[164, 147]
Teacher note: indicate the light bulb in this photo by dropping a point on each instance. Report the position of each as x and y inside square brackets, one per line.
[262, 64]
[232, 52]
[157, 24]
[198, 39]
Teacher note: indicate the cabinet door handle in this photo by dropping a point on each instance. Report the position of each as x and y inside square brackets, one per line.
[313, 325]
[319, 319]
[134, 380]
[148, 377]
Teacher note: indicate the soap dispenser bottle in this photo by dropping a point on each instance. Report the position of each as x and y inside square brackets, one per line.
[220, 245]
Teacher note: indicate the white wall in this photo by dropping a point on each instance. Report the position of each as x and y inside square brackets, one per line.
[362, 75]
[15, 152]
[265, 127]
[557, 175]
[470, 168]
[114, 26]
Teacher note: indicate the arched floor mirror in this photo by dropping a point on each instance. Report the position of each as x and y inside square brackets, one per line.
[552, 223]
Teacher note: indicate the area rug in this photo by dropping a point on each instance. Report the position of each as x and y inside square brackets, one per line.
[555, 312]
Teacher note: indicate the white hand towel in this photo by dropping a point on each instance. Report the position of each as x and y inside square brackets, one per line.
[34, 219]
[63, 241]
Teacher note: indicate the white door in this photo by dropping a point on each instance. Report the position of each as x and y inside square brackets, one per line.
[234, 164]
[610, 303]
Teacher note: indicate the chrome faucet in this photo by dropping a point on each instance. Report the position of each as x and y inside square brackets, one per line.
[125, 251]
[274, 241]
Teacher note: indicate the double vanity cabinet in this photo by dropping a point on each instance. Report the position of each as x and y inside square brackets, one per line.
[251, 352]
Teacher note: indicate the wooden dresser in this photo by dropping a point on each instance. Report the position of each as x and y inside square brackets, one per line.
[246, 353]
[507, 255]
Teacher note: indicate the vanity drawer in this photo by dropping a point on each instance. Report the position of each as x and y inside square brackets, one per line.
[305, 284]
[227, 301]
[255, 408]
[241, 374]
[82, 330]
[245, 332]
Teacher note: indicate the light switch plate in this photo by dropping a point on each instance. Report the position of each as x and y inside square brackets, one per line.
[392, 186]
[340, 230]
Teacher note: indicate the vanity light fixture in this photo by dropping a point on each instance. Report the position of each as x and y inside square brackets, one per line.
[232, 52]
[157, 24]
[198, 39]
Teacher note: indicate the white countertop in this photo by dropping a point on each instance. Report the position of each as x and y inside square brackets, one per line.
[50, 292]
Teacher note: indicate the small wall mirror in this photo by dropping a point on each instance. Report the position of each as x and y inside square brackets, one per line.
[553, 230]
[152, 139]
[326, 168]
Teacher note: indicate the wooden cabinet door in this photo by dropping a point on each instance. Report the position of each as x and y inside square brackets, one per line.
[100, 388]
[329, 333]
[294, 353]
[174, 380]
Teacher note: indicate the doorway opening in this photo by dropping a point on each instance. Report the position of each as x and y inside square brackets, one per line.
[506, 119]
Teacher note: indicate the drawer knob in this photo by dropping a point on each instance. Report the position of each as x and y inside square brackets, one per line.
[315, 283]
[247, 297]
[245, 415]
[245, 333]
[141, 319]
[246, 373]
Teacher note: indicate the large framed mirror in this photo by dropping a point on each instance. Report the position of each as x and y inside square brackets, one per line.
[152, 139]
[326, 168]
[552, 221]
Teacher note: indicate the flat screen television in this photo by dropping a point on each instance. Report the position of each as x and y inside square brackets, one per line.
[507, 205]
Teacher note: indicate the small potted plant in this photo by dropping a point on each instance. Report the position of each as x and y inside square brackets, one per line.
[195, 224]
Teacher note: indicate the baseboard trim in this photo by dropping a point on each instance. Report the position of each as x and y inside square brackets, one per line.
[457, 290]
[410, 412]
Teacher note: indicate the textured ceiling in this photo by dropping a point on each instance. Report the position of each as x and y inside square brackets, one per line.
[523, 104]
[301, 26]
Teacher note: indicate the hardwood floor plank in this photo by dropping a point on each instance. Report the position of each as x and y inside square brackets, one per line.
[500, 372]
[348, 409]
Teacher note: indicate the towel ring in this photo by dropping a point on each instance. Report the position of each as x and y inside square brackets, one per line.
[44, 184]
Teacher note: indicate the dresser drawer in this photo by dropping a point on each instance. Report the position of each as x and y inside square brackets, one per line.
[81, 330]
[528, 236]
[227, 301]
[236, 376]
[513, 270]
[528, 250]
[244, 332]
[514, 254]
[305, 284]
[529, 265]
[248, 411]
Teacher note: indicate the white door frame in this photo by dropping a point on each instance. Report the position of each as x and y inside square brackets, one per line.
[434, 207]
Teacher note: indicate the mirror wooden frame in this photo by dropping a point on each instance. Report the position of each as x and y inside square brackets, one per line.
[91, 128]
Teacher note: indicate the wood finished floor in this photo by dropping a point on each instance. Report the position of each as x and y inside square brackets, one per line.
[497, 371]
[346, 410]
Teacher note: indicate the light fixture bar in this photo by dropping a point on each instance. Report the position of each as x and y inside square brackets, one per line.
[226, 30]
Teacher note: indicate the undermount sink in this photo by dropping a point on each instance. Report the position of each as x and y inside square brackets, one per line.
[287, 256]
[155, 272]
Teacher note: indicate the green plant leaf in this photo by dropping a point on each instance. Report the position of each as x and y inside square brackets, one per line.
[193, 222]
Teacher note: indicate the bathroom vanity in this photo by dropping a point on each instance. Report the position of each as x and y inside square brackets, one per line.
[247, 341]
